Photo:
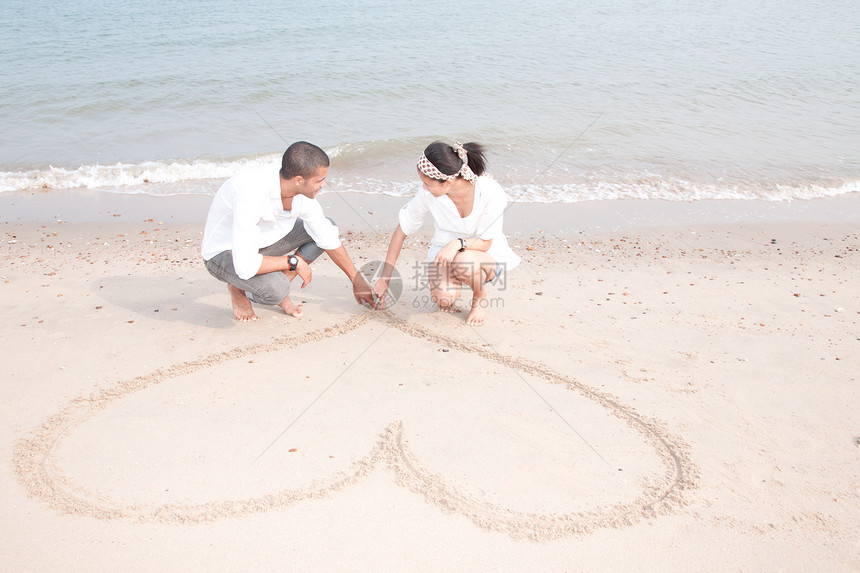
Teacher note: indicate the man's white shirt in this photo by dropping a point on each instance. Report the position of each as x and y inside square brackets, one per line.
[247, 214]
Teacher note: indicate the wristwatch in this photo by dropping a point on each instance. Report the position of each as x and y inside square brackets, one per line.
[463, 245]
[294, 262]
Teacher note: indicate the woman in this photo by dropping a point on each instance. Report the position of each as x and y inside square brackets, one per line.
[468, 246]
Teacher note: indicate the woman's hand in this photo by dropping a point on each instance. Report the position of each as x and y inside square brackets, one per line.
[446, 255]
[380, 289]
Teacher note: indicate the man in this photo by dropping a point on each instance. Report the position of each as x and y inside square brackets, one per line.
[264, 228]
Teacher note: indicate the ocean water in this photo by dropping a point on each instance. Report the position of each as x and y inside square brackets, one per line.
[606, 99]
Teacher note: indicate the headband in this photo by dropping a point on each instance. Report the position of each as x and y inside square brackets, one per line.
[431, 171]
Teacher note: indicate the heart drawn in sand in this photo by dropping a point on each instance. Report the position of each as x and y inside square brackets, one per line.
[658, 488]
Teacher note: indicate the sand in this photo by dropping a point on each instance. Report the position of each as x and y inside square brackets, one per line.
[659, 386]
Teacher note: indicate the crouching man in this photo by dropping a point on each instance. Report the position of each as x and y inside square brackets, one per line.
[265, 227]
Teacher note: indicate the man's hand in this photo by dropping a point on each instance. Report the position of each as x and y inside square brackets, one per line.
[362, 291]
[303, 269]
[360, 288]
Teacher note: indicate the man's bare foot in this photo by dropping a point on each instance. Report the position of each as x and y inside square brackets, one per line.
[477, 314]
[242, 309]
[291, 309]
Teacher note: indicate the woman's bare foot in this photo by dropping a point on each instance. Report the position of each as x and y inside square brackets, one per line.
[291, 309]
[446, 300]
[478, 313]
[242, 309]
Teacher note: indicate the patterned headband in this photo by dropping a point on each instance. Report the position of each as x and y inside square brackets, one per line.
[431, 171]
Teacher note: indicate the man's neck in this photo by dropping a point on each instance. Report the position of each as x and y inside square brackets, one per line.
[288, 189]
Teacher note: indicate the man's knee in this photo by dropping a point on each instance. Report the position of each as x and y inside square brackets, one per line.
[211, 268]
[220, 266]
[270, 293]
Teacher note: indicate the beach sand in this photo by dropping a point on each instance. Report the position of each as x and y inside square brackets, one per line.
[658, 387]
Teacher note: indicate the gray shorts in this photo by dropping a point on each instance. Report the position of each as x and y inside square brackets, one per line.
[269, 288]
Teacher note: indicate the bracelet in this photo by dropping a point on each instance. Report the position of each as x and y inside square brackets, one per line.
[463, 245]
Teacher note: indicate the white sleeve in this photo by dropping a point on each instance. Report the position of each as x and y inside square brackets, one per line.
[322, 231]
[411, 216]
[490, 219]
[246, 237]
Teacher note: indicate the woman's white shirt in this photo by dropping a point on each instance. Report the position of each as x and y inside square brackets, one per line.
[484, 222]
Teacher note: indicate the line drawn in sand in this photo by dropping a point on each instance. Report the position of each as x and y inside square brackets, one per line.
[36, 465]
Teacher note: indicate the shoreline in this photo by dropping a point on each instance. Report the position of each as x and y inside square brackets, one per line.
[364, 212]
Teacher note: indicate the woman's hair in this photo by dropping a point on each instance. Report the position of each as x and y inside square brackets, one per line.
[302, 158]
[448, 162]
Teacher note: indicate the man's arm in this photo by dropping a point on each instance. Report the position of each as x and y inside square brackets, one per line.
[360, 288]
[275, 264]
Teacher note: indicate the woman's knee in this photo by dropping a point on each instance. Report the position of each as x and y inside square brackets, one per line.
[466, 271]
[473, 269]
[444, 297]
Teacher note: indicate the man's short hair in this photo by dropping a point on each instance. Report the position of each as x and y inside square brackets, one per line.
[302, 159]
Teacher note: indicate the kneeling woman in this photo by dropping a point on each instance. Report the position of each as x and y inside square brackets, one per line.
[468, 245]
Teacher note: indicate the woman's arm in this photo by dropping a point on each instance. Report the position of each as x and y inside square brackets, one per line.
[380, 289]
[446, 255]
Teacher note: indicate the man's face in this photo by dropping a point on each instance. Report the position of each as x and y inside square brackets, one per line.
[312, 185]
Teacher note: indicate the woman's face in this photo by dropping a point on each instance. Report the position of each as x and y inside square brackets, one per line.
[434, 186]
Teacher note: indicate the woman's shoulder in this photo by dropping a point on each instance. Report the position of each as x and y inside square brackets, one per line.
[421, 196]
[488, 183]
[490, 189]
